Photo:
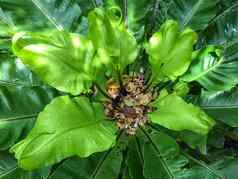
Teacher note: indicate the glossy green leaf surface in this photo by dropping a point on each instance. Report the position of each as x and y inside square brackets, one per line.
[14, 73]
[224, 102]
[115, 44]
[162, 158]
[193, 13]
[62, 14]
[9, 170]
[174, 113]
[19, 109]
[212, 70]
[170, 50]
[98, 166]
[223, 29]
[78, 128]
[61, 59]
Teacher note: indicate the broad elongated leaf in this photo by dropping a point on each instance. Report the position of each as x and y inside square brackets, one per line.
[78, 128]
[97, 166]
[224, 102]
[162, 158]
[223, 30]
[193, 13]
[19, 108]
[171, 51]
[134, 160]
[14, 73]
[9, 170]
[62, 14]
[115, 44]
[213, 71]
[60, 59]
[174, 113]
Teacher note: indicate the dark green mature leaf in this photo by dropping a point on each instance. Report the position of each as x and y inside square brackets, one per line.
[78, 128]
[175, 114]
[195, 141]
[134, 160]
[63, 60]
[162, 158]
[224, 102]
[226, 169]
[10, 170]
[19, 107]
[223, 29]
[193, 13]
[14, 73]
[170, 51]
[24, 15]
[213, 71]
[62, 14]
[115, 45]
[98, 166]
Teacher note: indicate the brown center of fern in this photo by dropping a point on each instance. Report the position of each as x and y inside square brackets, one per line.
[129, 103]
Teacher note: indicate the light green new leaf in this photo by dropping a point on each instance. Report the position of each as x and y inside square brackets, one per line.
[170, 51]
[175, 114]
[65, 128]
[115, 44]
[60, 59]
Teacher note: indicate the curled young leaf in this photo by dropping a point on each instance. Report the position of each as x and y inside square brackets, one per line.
[175, 114]
[65, 128]
[63, 60]
[170, 51]
[112, 38]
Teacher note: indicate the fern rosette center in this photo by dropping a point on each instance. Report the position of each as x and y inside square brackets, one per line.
[129, 103]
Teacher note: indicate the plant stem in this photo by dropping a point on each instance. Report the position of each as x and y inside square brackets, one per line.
[163, 162]
[102, 91]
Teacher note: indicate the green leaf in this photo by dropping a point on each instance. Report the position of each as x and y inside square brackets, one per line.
[19, 108]
[170, 51]
[195, 141]
[115, 44]
[162, 158]
[62, 14]
[63, 60]
[134, 160]
[98, 166]
[224, 102]
[175, 114]
[223, 29]
[213, 71]
[78, 128]
[9, 170]
[193, 13]
[14, 73]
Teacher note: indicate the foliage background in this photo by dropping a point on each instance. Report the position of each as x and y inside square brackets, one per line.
[23, 95]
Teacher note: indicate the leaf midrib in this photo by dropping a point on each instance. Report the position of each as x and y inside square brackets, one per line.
[191, 13]
[219, 107]
[207, 71]
[5, 173]
[56, 136]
